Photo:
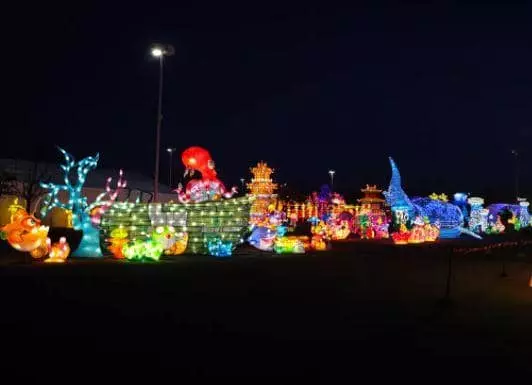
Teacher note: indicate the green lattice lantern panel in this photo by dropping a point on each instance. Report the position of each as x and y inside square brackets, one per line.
[225, 219]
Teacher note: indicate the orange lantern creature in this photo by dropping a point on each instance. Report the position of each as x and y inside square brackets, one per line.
[59, 251]
[25, 233]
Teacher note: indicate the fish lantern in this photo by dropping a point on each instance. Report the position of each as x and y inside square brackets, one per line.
[174, 243]
[59, 251]
[25, 233]
[117, 241]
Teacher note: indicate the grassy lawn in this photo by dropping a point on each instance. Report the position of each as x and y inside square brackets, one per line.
[355, 311]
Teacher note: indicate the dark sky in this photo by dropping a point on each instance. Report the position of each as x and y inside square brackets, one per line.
[445, 90]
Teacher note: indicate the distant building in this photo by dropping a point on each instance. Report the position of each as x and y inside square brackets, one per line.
[139, 187]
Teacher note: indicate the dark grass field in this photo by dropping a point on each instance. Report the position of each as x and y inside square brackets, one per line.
[361, 312]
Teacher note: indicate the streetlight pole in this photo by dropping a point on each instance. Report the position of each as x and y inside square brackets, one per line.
[331, 174]
[159, 52]
[242, 180]
[171, 153]
[516, 155]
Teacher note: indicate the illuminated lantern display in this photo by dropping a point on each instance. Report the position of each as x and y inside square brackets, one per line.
[497, 227]
[402, 208]
[119, 238]
[218, 248]
[370, 216]
[514, 220]
[59, 251]
[524, 215]
[262, 238]
[173, 242]
[402, 236]
[291, 244]
[460, 200]
[317, 242]
[417, 233]
[478, 216]
[85, 217]
[25, 233]
[227, 219]
[340, 231]
[141, 250]
[262, 188]
[432, 231]
[448, 216]
[439, 197]
[209, 187]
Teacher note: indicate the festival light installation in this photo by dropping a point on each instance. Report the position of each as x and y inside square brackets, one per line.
[209, 187]
[402, 236]
[478, 216]
[25, 233]
[143, 250]
[262, 238]
[370, 220]
[417, 233]
[402, 207]
[460, 200]
[59, 251]
[263, 189]
[117, 240]
[85, 216]
[291, 244]
[524, 215]
[219, 248]
[173, 242]
[227, 219]
[447, 216]
[497, 227]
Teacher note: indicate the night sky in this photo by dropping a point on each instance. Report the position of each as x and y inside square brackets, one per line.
[445, 90]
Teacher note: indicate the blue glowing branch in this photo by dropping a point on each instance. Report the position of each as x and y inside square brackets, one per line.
[77, 203]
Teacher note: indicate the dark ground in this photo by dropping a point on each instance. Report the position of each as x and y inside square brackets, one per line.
[358, 314]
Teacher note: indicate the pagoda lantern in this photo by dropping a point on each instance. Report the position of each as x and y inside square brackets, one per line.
[263, 188]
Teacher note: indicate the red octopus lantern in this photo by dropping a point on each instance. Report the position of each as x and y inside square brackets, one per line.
[209, 187]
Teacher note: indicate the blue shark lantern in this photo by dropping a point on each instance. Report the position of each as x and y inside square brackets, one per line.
[446, 215]
[402, 208]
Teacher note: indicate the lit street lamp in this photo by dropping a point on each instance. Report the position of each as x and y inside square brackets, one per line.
[159, 52]
[170, 153]
[331, 174]
[242, 180]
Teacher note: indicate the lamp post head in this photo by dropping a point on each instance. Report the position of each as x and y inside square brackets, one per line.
[170, 150]
[159, 51]
[332, 172]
